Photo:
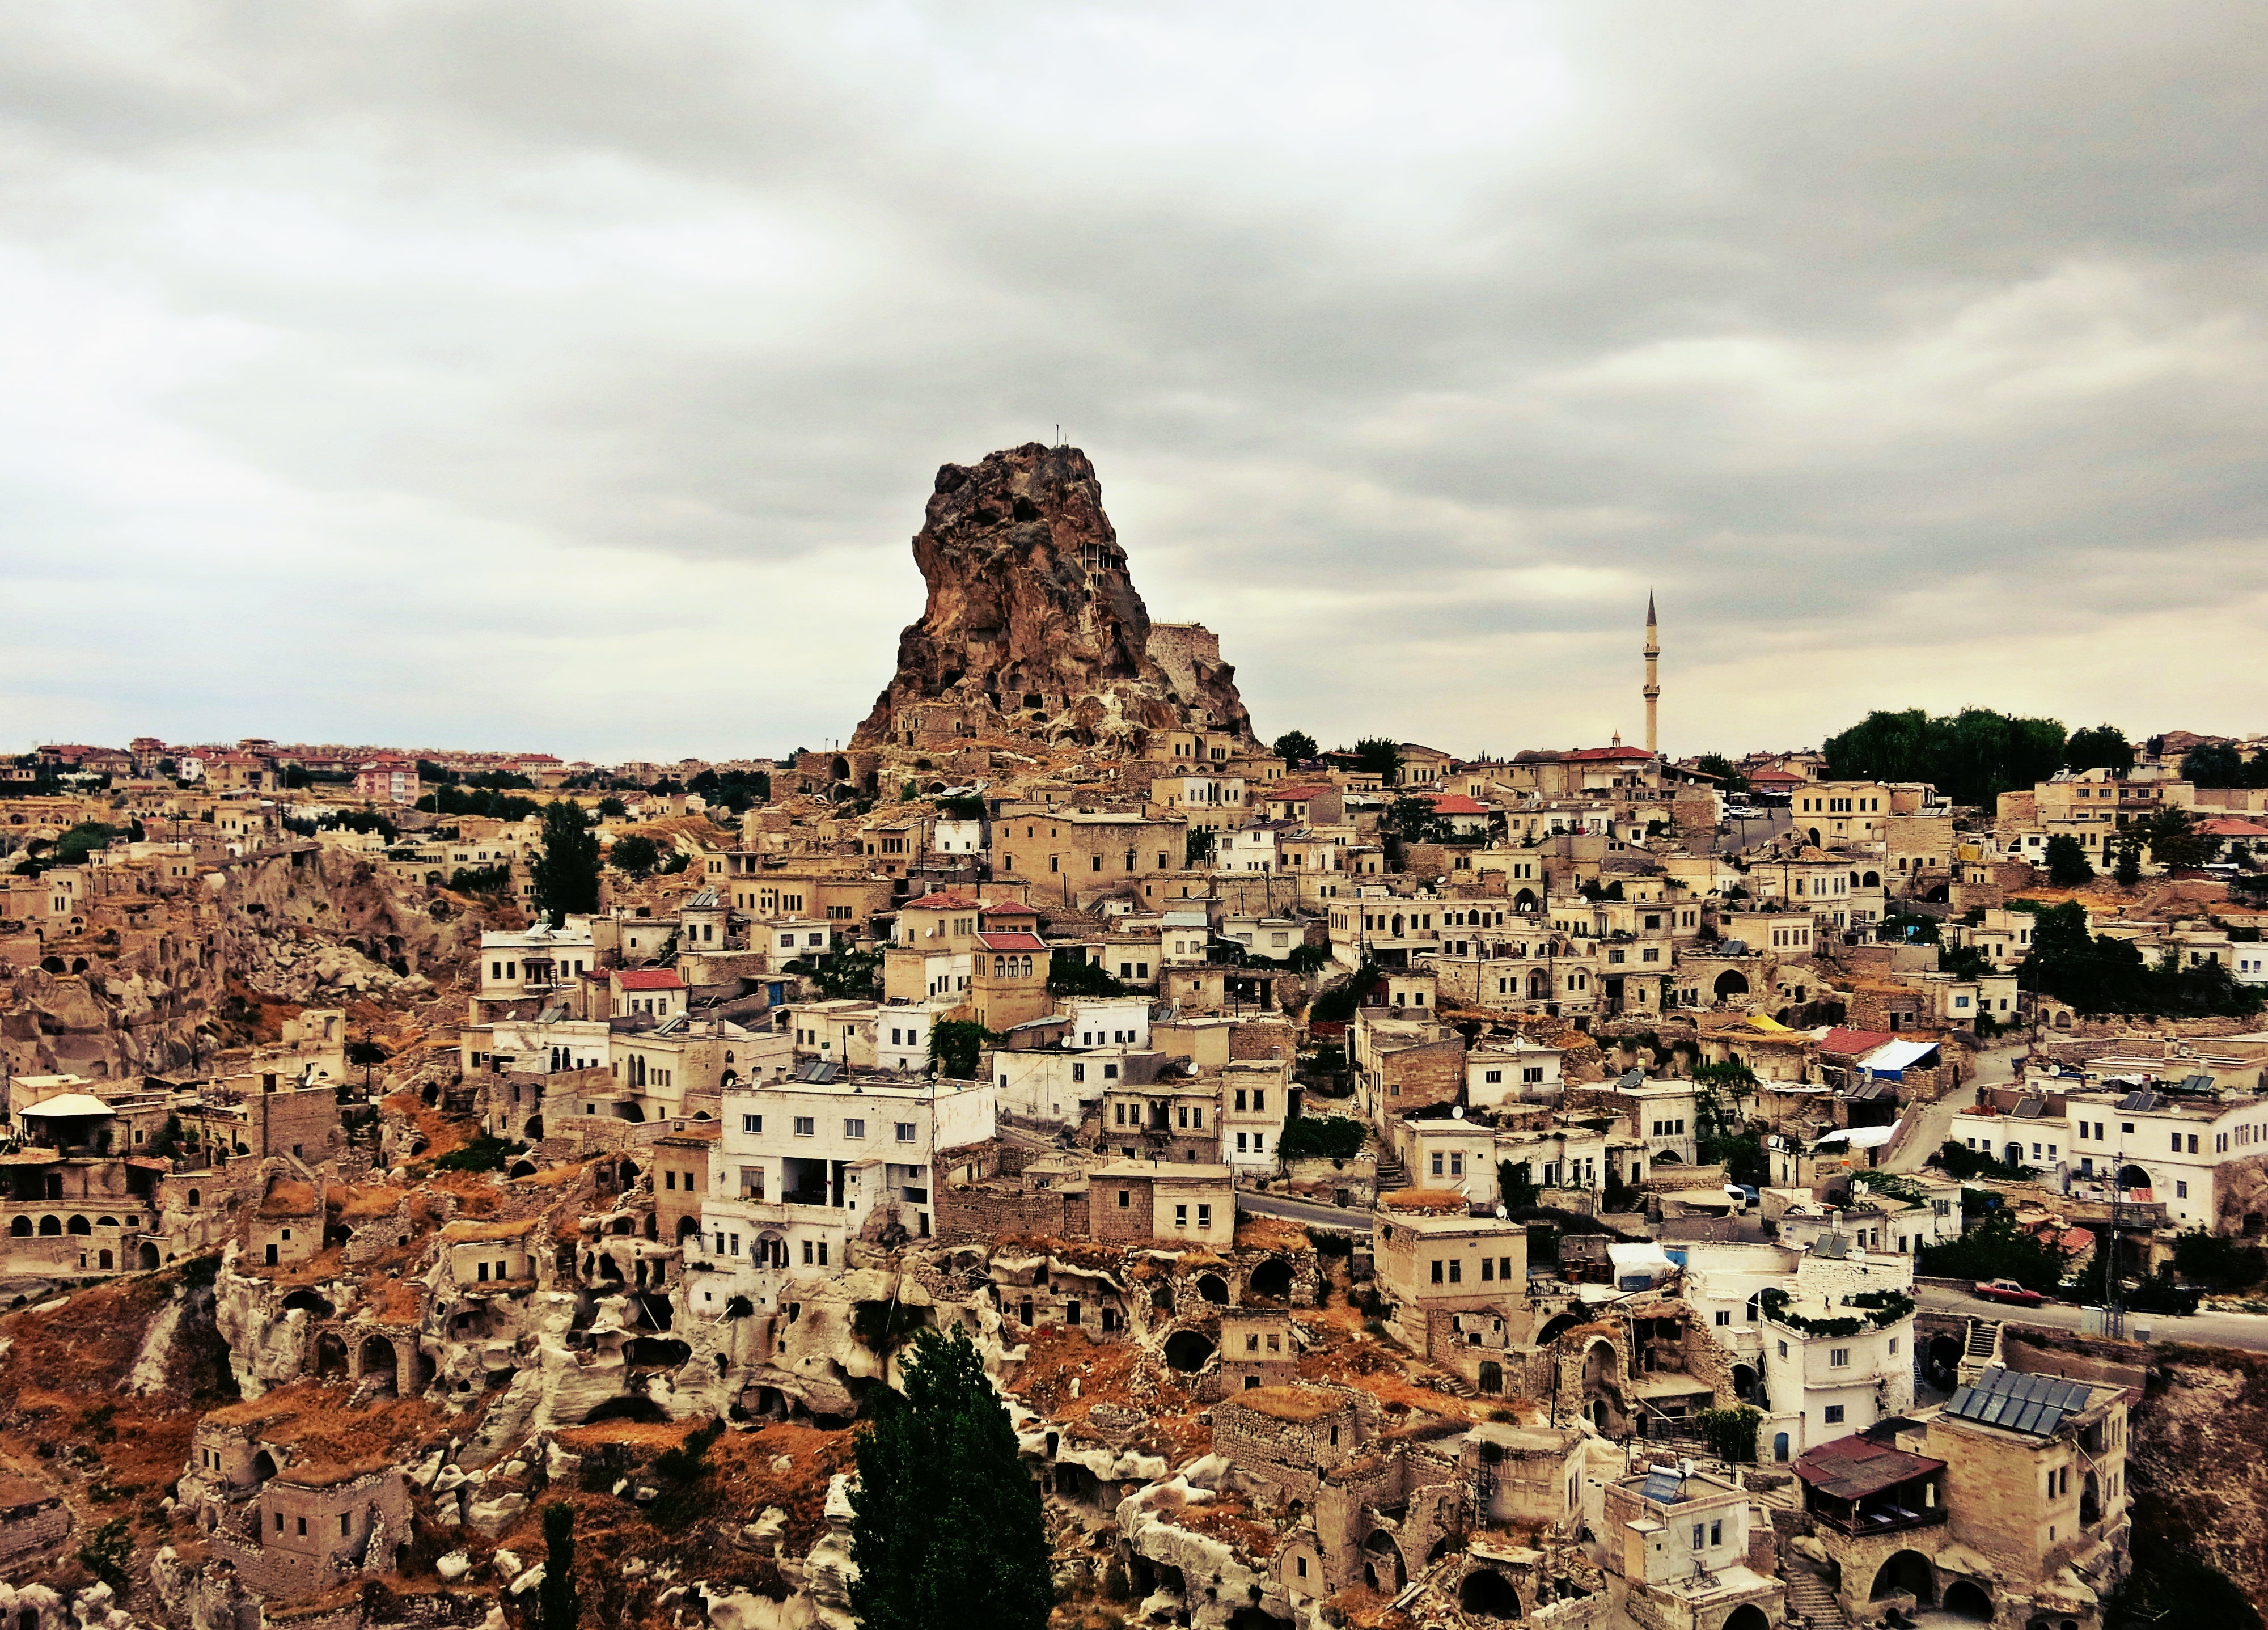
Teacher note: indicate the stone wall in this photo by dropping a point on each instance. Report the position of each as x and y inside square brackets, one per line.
[980, 1213]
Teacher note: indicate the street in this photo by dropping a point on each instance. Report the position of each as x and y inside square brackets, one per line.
[2249, 1331]
[1996, 1066]
[1348, 1220]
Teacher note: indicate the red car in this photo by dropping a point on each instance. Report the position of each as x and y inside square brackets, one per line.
[2008, 1290]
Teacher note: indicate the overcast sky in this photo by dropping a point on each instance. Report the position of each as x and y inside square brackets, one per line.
[570, 377]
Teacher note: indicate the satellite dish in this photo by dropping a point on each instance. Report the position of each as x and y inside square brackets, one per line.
[1500, 1212]
[1456, 1111]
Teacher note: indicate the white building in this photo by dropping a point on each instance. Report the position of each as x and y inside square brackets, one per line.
[535, 961]
[804, 1165]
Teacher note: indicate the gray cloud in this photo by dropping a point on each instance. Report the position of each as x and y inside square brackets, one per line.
[571, 378]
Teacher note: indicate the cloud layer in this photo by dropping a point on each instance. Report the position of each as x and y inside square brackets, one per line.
[570, 377]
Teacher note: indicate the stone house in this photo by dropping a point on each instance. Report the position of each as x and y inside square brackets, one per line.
[1134, 1200]
[1687, 1550]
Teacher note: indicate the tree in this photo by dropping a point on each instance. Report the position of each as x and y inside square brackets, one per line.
[2128, 870]
[955, 1046]
[1295, 747]
[1997, 1249]
[558, 1606]
[613, 808]
[1729, 778]
[566, 873]
[2174, 841]
[1379, 756]
[1972, 757]
[2216, 764]
[2067, 866]
[2105, 747]
[369, 1054]
[636, 854]
[1197, 849]
[946, 1525]
[1071, 975]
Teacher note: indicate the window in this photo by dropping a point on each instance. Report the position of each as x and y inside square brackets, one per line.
[1181, 1216]
[1783, 1349]
[1204, 1215]
[1838, 1358]
[2181, 1190]
[752, 1123]
[905, 1131]
[1124, 1203]
[804, 1127]
[1437, 1273]
[1834, 1414]
[1724, 1316]
[1716, 1533]
[1456, 1271]
[1698, 1532]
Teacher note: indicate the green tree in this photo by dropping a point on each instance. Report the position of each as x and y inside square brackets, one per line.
[1379, 756]
[2105, 747]
[1729, 778]
[2128, 870]
[946, 1525]
[2174, 841]
[636, 854]
[613, 808]
[1294, 747]
[2216, 764]
[1972, 757]
[1997, 1249]
[955, 1046]
[1333, 1137]
[1071, 975]
[2067, 866]
[566, 873]
[558, 1605]
[1197, 849]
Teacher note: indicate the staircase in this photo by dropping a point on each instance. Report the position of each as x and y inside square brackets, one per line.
[1391, 1175]
[1449, 1381]
[1810, 1602]
[1982, 1350]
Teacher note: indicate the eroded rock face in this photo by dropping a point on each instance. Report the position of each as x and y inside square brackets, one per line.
[1034, 628]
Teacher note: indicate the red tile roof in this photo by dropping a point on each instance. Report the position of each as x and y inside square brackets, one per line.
[2231, 826]
[1776, 777]
[648, 979]
[1851, 1468]
[1012, 942]
[942, 899]
[1292, 794]
[1617, 754]
[1455, 804]
[1854, 1043]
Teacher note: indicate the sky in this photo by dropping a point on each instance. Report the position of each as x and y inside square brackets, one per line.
[570, 377]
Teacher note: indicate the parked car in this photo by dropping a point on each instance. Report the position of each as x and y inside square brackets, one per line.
[2163, 1295]
[2008, 1290]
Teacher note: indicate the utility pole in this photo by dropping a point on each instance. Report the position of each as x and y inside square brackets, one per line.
[2114, 1316]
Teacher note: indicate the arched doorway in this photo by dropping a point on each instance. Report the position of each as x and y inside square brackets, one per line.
[1871, 880]
[263, 1466]
[1906, 1572]
[379, 1359]
[1965, 1598]
[533, 1129]
[688, 1228]
[148, 1256]
[1272, 1279]
[1382, 1567]
[1186, 1350]
[1488, 1593]
[1744, 1382]
[1213, 1288]
[1814, 835]
[1492, 1375]
[1731, 982]
[2090, 1502]
[1524, 901]
[1780, 1448]
[79, 1225]
[1747, 1616]
[50, 1228]
[2132, 1178]
[20, 1228]
[103, 1260]
[330, 1356]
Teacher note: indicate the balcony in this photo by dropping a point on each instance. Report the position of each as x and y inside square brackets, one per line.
[1873, 1516]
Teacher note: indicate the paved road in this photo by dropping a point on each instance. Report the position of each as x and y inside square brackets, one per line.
[1995, 1066]
[1304, 1211]
[2237, 1330]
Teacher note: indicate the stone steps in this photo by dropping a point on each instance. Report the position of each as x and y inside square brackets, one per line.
[1810, 1602]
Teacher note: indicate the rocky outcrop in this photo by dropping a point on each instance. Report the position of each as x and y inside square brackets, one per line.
[1033, 630]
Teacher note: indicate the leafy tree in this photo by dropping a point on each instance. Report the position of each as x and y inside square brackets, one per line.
[1294, 747]
[83, 840]
[1333, 1137]
[2217, 1263]
[559, 1606]
[1972, 757]
[845, 974]
[1380, 756]
[1413, 820]
[483, 802]
[674, 862]
[1997, 1249]
[1070, 974]
[945, 1524]
[2216, 764]
[2172, 1584]
[482, 879]
[2128, 872]
[613, 808]
[954, 1047]
[2105, 975]
[1336, 1005]
[1963, 962]
[1515, 1182]
[1911, 929]
[484, 1153]
[1729, 778]
[2067, 866]
[1197, 849]
[635, 853]
[2105, 747]
[566, 873]
[1731, 1433]
[2174, 841]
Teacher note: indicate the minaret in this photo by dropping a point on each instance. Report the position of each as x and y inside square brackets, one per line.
[1652, 678]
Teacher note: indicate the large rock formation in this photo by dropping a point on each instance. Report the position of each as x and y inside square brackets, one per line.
[1033, 630]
